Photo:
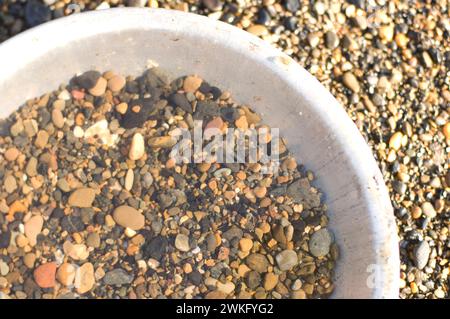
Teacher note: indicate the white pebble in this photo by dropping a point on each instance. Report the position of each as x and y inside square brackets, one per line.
[78, 132]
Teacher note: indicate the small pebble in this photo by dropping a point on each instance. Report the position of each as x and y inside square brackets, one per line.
[45, 274]
[128, 217]
[82, 197]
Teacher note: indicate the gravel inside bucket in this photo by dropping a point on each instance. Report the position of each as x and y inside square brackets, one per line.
[93, 206]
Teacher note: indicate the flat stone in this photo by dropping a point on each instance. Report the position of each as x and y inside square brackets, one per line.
[129, 217]
[428, 210]
[11, 154]
[421, 254]
[4, 268]
[331, 40]
[205, 109]
[147, 180]
[31, 127]
[31, 168]
[227, 288]
[10, 184]
[351, 82]
[270, 281]
[182, 242]
[63, 185]
[320, 242]
[233, 232]
[82, 197]
[211, 242]
[93, 240]
[29, 260]
[58, 118]
[292, 5]
[287, 259]
[85, 278]
[395, 142]
[191, 84]
[257, 262]
[162, 141]
[129, 180]
[41, 139]
[116, 83]
[245, 244]
[300, 191]
[33, 228]
[213, 127]
[137, 148]
[17, 128]
[117, 277]
[76, 251]
[45, 274]
[66, 274]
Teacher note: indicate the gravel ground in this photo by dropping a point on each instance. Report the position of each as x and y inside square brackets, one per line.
[387, 62]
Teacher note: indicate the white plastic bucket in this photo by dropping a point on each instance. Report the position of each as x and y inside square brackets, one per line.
[317, 128]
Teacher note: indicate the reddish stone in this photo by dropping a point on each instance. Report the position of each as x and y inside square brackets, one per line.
[77, 94]
[45, 274]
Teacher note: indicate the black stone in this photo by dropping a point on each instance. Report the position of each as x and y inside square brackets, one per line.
[195, 277]
[206, 109]
[5, 238]
[229, 114]
[216, 92]
[100, 162]
[132, 87]
[5, 127]
[72, 224]
[278, 191]
[155, 248]
[57, 213]
[155, 77]
[133, 119]
[290, 23]
[42, 169]
[229, 18]
[263, 17]
[299, 226]
[88, 79]
[36, 13]
[180, 100]
[44, 117]
[435, 55]
[205, 88]
[399, 187]
[100, 218]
